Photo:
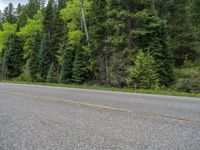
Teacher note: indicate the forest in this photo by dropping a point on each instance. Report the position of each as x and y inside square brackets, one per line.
[140, 44]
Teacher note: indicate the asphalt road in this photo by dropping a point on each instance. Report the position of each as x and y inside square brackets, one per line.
[50, 118]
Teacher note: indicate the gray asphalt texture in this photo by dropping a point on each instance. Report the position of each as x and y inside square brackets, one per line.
[52, 118]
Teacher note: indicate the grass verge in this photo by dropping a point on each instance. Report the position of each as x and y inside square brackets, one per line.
[107, 88]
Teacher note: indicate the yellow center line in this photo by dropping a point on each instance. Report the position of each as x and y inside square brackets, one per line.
[104, 107]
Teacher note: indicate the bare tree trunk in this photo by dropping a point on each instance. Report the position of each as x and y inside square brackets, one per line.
[84, 21]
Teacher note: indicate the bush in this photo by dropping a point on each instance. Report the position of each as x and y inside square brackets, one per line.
[188, 80]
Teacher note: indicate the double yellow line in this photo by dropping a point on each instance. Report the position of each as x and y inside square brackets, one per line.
[73, 102]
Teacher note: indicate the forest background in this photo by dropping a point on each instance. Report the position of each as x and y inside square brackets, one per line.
[141, 44]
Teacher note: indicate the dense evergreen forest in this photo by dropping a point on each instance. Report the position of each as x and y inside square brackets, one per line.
[123, 43]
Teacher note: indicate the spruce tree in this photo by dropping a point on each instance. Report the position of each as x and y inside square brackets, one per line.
[18, 9]
[77, 71]
[143, 74]
[13, 58]
[60, 30]
[49, 30]
[119, 39]
[1, 19]
[8, 14]
[42, 4]
[97, 30]
[44, 59]
[34, 58]
[51, 77]
[67, 64]
[153, 37]
[32, 8]
[195, 21]
[181, 33]
[4, 67]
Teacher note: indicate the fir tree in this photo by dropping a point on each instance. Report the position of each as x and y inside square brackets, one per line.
[97, 31]
[44, 59]
[59, 31]
[34, 59]
[67, 64]
[77, 71]
[32, 8]
[143, 74]
[4, 67]
[153, 37]
[51, 74]
[49, 30]
[8, 14]
[13, 57]
[42, 4]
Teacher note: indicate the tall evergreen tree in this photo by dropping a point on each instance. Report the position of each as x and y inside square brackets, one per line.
[49, 30]
[181, 34]
[77, 76]
[1, 20]
[32, 8]
[153, 37]
[97, 31]
[195, 21]
[34, 59]
[8, 14]
[67, 64]
[51, 76]
[18, 9]
[13, 58]
[143, 74]
[59, 31]
[42, 4]
[44, 59]
[119, 41]
[4, 67]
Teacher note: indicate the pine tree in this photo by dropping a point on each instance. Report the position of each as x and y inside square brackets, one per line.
[51, 74]
[34, 59]
[60, 30]
[18, 9]
[42, 4]
[8, 14]
[78, 72]
[13, 58]
[181, 34]
[195, 21]
[97, 30]
[119, 41]
[67, 64]
[143, 74]
[32, 7]
[22, 16]
[153, 37]
[49, 18]
[4, 67]
[49, 29]
[44, 59]
[1, 20]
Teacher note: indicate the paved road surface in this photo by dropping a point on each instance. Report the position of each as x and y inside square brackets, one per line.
[50, 118]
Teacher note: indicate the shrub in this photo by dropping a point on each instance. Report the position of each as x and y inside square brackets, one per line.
[188, 80]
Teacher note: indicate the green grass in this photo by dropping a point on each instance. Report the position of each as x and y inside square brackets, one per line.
[165, 91]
